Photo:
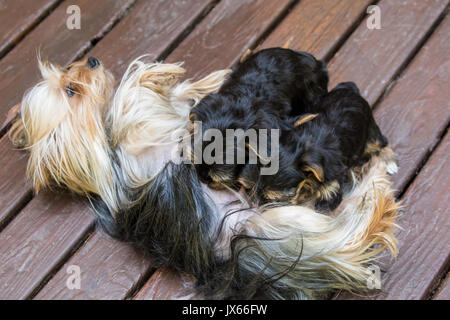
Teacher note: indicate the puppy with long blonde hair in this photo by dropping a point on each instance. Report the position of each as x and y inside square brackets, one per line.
[118, 150]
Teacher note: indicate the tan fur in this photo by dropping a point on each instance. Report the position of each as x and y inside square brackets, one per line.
[337, 249]
[246, 54]
[65, 135]
[150, 111]
[304, 119]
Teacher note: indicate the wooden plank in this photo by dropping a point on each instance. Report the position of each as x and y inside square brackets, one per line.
[14, 188]
[225, 34]
[125, 268]
[17, 17]
[317, 26]
[414, 114]
[423, 242]
[152, 28]
[371, 58]
[38, 239]
[166, 284]
[109, 270]
[417, 110]
[18, 69]
[443, 292]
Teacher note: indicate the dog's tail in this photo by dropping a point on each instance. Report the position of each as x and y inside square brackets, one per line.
[293, 252]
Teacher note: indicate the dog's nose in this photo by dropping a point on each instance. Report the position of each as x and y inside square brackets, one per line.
[93, 63]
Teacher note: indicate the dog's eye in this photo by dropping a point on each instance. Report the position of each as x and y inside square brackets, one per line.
[70, 90]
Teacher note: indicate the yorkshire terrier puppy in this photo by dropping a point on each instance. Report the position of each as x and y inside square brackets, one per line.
[319, 158]
[120, 152]
[266, 91]
[60, 123]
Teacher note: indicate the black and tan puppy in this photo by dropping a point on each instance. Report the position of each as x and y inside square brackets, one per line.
[266, 91]
[319, 157]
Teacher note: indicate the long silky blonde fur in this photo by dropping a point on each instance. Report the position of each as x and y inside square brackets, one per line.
[65, 135]
[325, 252]
[149, 107]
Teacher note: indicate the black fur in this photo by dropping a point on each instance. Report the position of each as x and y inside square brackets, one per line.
[333, 142]
[271, 90]
[266, 91]
[173, 221]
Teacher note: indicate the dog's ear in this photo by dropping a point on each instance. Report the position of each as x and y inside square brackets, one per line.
[159, 76]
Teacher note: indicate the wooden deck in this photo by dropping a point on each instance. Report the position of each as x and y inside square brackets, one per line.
[402, 69]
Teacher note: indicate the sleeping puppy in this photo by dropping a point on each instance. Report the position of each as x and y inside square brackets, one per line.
[268, 90]
[320, 156]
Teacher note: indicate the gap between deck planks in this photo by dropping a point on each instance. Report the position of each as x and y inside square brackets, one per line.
[443, 291]
[263, 14]
[402, 34]
[18, 17]
[413, 116]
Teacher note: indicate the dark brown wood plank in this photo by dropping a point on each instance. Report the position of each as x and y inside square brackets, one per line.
[18, 69]
[371, 58]
[423, 242]
[317, 26]
[226, 33]
[17, 17]
[109, 270]
[14, 188]
[413, 116]
[125, 267]
[443, 292]
[166, 284]
[38, 239]
[151, 28]
[417, 110]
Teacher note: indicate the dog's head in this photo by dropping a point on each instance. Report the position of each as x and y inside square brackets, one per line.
[61, 124]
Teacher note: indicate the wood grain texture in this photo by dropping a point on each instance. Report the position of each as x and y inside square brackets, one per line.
[150, 28]
[38, 239]
[166, 284]
[317, 26]
[109, 270]
[14, 188]
[443, 292]
[17, 17]
[371, 58]
[226, 33]
[417, 110]
[18, 69]
[424, 241]
[412, 116]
